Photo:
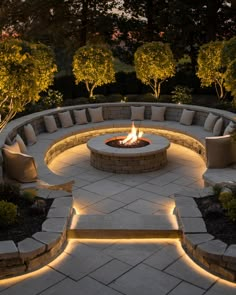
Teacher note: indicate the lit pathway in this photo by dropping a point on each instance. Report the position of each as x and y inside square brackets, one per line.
[128, 267]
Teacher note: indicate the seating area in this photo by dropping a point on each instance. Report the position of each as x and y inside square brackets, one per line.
[202, 129]
[34, 141]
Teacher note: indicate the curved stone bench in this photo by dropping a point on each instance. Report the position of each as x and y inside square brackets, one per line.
[116, 119]
[117, 115]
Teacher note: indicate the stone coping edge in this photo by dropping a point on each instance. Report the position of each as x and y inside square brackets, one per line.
[44, 246]
[207, 251]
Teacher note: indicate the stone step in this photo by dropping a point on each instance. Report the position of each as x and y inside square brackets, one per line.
[138, 226]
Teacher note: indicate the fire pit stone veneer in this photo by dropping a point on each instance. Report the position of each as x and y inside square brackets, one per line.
[128, 160]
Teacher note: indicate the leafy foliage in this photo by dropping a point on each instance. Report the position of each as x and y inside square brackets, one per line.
[8, 213]
[182, 94]
[230, 79]
[228, 201]
[26, 69]
[229, 51]
[211, 67]
[53, 99]
[93, 65]
[9, 192]
[154, 63]
[225, 198]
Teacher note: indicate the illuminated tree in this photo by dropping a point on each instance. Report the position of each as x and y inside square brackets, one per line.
[154, 63]
[93, 66]
[230, 79]
[229, 51]
[211, 67]
[26, 69]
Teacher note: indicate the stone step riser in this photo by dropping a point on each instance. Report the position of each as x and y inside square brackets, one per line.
[123, 234]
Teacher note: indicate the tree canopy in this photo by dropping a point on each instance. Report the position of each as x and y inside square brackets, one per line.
[26, 69]
[211, 67]
[154, 63]
[230, 79]
[93, 65]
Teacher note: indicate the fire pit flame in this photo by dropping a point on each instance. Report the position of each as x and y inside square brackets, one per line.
[132, 137]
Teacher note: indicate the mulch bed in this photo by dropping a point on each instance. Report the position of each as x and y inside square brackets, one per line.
[217, 222]
[28, 221]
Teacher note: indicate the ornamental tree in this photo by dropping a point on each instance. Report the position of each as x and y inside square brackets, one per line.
[229, 51]
[93, 65]
[230, 79]
[26, 69]
[211, 68]
[154, 63]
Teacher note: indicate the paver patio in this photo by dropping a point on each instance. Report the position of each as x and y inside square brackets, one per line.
[128, 267]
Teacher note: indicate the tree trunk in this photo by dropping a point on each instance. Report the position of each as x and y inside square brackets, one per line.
[159, 89]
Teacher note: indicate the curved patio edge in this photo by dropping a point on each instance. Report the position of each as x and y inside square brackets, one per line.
[35, 252]
[210, 253]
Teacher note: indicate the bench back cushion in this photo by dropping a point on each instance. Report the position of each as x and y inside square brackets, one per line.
[80, 116]
[96, 114]
[30, 135]
[137, 113]
[187, 117]
[158, 113]
[210, 122]
[65, 119]
[50, 123]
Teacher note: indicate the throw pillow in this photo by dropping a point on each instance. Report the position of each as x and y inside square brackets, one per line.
[231, 127]
[13, 147]
[80, 116]
[65, 119]
[210, 122]
[50, 123]
[30, 134]
[218, 127]
[218, 151]
[158, 113]
[187, 117]
[20, 141]
[96, 114]
[26, 168]
[137, 113]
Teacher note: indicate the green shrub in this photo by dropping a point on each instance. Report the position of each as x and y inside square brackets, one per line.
[53, 99]
[232, 209]
[76, 101]
[116, 97]
[9, 192]
[98, 98]
[148, 97]
[217, 190]
[29, 195]
[225, 199]
[182, 94]
[8, 213]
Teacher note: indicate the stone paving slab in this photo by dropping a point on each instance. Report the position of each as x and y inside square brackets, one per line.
[8, 250]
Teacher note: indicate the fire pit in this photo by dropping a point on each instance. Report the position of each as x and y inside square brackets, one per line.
[116, 153]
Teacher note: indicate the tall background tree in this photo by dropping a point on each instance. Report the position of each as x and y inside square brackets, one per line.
[154, 63]
[93, 65]
[26, 69]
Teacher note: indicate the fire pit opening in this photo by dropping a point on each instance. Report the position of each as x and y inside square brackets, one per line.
[132, 140]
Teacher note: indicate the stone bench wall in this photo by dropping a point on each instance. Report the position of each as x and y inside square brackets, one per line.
[113, 111]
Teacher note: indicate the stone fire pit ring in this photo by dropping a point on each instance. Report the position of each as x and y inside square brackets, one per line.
[128, 160]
